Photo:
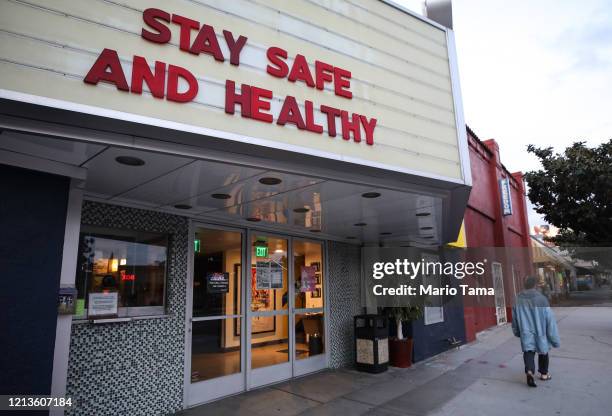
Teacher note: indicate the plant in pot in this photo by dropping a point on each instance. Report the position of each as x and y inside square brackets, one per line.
[400, 347]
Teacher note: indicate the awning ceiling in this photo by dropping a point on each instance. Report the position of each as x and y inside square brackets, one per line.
[242, 195]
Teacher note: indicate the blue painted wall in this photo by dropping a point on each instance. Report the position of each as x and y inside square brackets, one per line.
[32, 221]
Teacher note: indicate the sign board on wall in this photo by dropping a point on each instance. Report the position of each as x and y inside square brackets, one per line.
[358, 81]
[506, 196]
[103, 304]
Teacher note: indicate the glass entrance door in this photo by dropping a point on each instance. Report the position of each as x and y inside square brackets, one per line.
[248, 326]
[215, 329]
[309, 307]
[268, 319]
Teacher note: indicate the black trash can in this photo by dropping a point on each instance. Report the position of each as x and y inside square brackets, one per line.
[371, 343]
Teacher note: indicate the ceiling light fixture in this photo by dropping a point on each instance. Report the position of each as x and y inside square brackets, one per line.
[129, 161]
[270, 181]
[371, 195]
[182, 206]
[221, 196]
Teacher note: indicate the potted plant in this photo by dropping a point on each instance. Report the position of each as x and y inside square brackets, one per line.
[400, 347]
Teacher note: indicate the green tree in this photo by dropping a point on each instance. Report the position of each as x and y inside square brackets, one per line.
[573, 191]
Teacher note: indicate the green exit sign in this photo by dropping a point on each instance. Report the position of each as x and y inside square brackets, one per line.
[196, 246]
[261, 251]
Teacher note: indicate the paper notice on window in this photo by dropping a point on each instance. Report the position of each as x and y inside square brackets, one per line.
[263, 275]
[103, 304]
[308, 278]
[276, 276]
[269, 275]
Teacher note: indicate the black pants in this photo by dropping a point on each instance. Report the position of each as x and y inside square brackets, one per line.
[529, 358]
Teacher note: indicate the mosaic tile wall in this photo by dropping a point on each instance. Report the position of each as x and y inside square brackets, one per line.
[133, 368]
[344, 269]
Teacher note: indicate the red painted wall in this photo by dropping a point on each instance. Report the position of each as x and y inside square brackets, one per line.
[485, 226]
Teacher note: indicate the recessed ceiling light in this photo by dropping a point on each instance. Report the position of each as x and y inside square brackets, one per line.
[360, 224]
[182, 206]
[426, 228]
[423, 214]
[386, 233]
[129, 161]
[301, 210]
[315, 231]
[371, 195]
[270, 181]
[221, 196]
[350, 237]
[253, 219]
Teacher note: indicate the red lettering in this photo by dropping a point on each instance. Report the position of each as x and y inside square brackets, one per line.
[275, 56]
[151, 17]
[290, 113]
[368, 126]
[310, 123]
[257, 104]
[235, 46]
[173, 94]
[141, 72]
[331, 113]
[186, 26]
[342, 82]
[108, 60]
[351, 126]
[300, 71]
[206, 42]
[243, 99]
[323, 74]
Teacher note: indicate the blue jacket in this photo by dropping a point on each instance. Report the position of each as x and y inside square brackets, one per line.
[533, 321]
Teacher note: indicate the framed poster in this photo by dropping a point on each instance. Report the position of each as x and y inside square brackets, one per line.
[261, 300]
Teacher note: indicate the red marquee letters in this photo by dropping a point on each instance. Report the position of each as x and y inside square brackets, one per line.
[164, 80]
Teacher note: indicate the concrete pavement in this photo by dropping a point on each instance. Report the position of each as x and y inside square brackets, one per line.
[483, 378]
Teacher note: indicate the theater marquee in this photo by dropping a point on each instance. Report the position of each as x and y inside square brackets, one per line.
[359, 81]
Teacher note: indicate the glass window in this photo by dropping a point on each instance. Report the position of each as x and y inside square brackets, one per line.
[215, 348]
[308, 270]
[217, 267]
[269, 276]
[309, 335]
[129, 266]
[434, 313]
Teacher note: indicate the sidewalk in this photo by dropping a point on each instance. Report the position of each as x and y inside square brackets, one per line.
[483, 378]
